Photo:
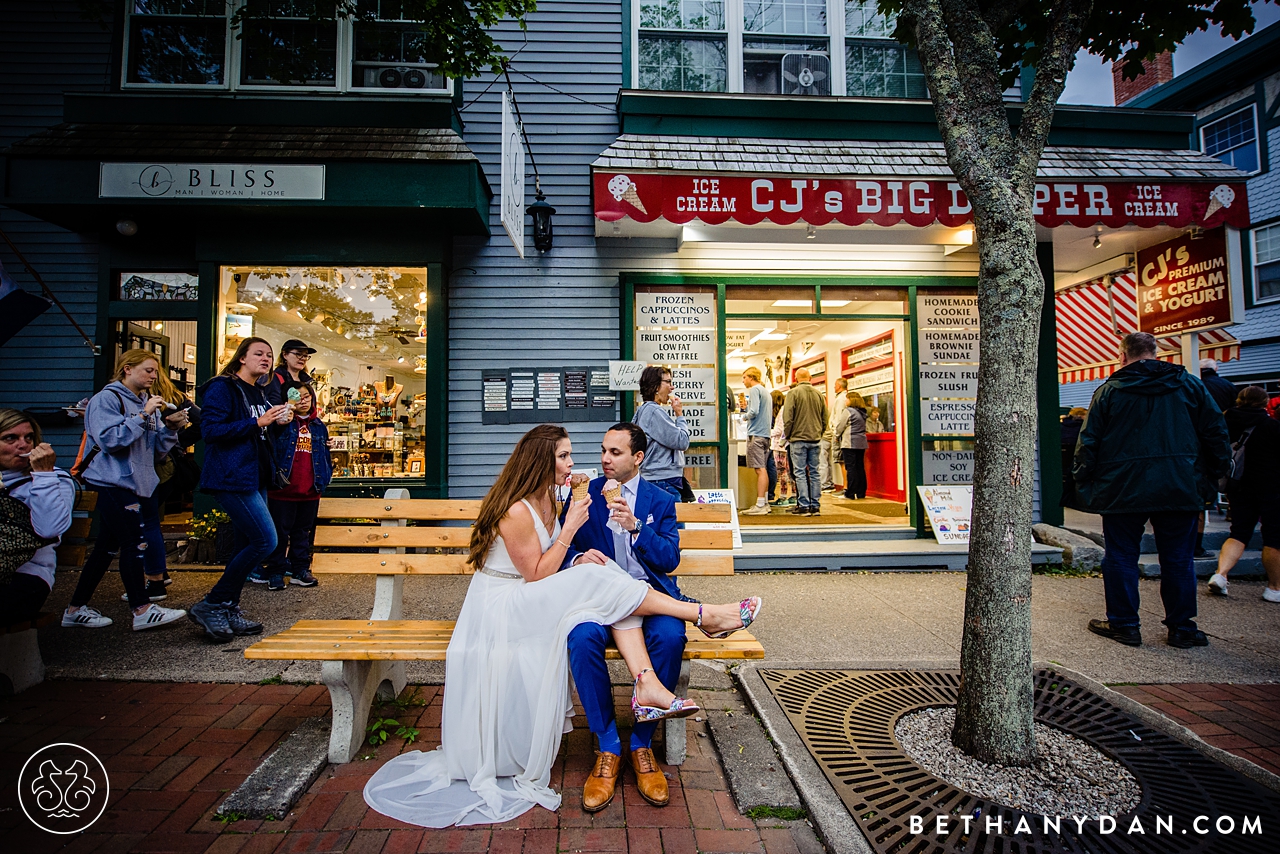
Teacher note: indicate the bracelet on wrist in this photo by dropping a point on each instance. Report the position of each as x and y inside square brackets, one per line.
[566, 545]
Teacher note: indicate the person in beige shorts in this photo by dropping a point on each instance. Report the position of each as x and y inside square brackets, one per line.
[759, 424]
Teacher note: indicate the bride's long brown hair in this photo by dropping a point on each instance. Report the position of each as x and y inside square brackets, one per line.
[531, 470]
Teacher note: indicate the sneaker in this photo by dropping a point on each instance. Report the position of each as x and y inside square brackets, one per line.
[303, 579]
[1202, 552]
[799, 510]
[276, 583]
[781, 502]
[239, 623]
[1187, 638]
[85, 618]
[155, 592]
[1218, 584]
[167, 580]
[757, 510]
[258, 578]
[213, 619]
[156, 616]
[815, 511]
[791, 501]
[1271, 595]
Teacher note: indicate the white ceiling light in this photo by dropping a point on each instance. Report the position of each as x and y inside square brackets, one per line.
[834, 303]
[793, 303]
[772, 336]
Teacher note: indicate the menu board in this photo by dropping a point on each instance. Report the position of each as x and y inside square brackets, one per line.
[947, 348]
[678, 330]
[547, 395]
[949, 509]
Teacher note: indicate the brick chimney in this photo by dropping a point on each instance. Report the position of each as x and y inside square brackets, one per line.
[1155, 72]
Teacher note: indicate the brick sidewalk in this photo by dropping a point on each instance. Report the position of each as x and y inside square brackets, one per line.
[174, 750]
[1241, 719]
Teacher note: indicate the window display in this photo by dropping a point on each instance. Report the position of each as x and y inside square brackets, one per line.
[368, 328]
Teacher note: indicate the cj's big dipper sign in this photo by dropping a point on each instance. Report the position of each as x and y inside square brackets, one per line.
[1183, 285]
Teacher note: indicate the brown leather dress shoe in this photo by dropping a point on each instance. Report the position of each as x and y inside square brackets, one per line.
[650, 781]
[599, 789]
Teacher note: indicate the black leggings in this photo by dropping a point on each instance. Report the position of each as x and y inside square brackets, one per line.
[23, 598]
[855, 472]
[1248, 509]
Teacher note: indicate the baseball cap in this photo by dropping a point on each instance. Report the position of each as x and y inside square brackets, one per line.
[293, 344]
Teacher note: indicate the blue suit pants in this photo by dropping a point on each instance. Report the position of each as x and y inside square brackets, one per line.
[664, 636]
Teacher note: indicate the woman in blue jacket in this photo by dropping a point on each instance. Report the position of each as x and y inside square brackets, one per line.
[239, 467]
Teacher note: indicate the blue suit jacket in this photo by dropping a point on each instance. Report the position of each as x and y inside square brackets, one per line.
[658, 546]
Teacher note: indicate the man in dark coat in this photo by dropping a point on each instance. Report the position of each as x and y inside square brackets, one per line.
[1151, 449]
[1223, 391]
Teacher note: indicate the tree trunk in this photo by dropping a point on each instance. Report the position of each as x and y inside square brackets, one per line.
[994, 714]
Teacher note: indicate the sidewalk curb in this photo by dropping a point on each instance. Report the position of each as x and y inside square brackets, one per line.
[284, 776]
[756, 774]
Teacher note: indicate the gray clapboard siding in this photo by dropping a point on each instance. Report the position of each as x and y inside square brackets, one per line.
[46, 49]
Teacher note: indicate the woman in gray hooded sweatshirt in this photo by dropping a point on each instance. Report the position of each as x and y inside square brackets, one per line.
[128, 434]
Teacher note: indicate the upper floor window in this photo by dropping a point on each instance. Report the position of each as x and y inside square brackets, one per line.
[283, 44]
[772, 47]
[1266, 263]
[1233, 140]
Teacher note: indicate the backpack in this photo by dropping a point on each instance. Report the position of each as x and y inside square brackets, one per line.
[1235, 472]
[83, 458]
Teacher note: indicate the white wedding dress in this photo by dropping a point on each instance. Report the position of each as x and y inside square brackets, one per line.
[506, 693]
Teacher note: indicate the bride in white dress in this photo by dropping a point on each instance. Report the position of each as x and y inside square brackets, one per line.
[506, 696]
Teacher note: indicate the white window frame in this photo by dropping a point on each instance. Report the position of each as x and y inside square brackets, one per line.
[231, 68]
[1252, 109]
[733, 12]
[1253, 247]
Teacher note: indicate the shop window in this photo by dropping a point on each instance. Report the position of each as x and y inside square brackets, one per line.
[163, 287]
[1266, 259]
[776, 59]
[838, 300]
[177, 42]
[367, 325]
[682, 46]
[768, 299]
[278, 43]
[875, 65]
[1233, 140]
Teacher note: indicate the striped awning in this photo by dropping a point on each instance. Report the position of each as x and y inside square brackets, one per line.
[1093, 317]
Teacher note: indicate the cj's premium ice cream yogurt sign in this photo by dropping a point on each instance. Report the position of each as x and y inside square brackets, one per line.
[693, 309]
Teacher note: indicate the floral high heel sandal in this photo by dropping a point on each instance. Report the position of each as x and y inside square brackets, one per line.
[680, 706]
[749, 610]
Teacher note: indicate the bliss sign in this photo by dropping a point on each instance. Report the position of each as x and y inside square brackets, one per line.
[235, 181]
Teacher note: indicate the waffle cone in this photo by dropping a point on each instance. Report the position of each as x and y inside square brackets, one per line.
[579, 490]
[612, 494]
[633, 198]
[1214, 207]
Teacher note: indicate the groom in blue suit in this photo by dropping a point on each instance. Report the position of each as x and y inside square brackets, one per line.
[648, 547]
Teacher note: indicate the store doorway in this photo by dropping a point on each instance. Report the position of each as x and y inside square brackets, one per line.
[840, 355]
[173, 342]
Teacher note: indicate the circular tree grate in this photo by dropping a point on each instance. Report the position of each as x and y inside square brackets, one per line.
[847, 718]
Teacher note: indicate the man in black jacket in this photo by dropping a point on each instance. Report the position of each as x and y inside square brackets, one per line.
[1151, 449]
[1223, 391]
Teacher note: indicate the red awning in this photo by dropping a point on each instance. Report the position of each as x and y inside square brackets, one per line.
[1093, 317]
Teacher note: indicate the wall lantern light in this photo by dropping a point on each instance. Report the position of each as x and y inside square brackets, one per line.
[541, 213]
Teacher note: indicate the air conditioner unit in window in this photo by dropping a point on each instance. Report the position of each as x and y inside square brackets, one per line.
[377, 76]
[806, 73]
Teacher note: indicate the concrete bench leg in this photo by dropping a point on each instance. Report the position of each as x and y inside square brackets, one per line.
[353, 685]
[675, 727]
[20, 661]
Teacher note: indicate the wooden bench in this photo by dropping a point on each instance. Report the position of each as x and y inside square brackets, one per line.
[364, 659]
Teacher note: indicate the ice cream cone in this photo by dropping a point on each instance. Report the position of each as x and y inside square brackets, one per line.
[633, 198]
[1214, 206]
[578, 485]
[612, 490]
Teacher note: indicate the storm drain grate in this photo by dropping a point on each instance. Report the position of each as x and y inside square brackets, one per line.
[847, 718]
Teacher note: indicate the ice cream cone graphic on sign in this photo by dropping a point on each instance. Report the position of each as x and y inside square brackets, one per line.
[623, 189]
[1220, 196]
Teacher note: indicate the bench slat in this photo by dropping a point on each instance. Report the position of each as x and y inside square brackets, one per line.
[428, 640]
[376, 536]
[442, 509]
[336, 563]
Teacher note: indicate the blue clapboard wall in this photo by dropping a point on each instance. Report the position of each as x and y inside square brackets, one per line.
[48, 48]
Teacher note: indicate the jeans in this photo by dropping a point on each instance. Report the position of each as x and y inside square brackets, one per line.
[671, 486]
[249, 513]
[295, 523]
[127, 516]
[1175, 541]
[804, 471]
[826, 463]
[107, 548]
[855, 472]
[771, 468]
